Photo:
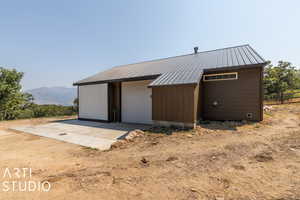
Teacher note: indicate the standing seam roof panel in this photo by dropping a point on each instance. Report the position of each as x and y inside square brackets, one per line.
[257, 58]
[193, 75]
[249, 55]
[180, 69]
[234, 58]
[245, 57]
[238, 58]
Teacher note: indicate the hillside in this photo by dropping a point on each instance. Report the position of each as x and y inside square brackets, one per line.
[54, 95]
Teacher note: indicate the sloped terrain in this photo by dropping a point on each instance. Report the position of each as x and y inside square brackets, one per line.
[227, 160]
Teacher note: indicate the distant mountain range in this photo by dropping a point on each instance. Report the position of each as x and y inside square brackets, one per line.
[54, 95]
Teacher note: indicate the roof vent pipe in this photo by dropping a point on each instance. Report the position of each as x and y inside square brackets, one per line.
[195, 50]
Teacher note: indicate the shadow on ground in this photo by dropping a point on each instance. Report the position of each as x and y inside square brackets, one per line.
[105, 125]
[167, 130]
[223, 125]
[212, 125]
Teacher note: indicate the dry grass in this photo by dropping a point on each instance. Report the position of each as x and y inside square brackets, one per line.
[217, 160]
[289, 101]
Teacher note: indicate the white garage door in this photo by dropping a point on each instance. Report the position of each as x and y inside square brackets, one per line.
[136, 102]
[93, 102]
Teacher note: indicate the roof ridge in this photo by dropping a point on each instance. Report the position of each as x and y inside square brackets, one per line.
[179, 56]
[224, 48]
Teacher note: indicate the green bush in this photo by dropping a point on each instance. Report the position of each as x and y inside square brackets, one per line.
[34, 111]
[15, 104]
[280, 80]
[27, 113]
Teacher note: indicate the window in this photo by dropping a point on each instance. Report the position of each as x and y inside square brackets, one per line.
[221, 77]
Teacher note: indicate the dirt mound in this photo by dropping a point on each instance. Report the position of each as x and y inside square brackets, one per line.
[133, 134]
[263, 157]
[128, 138]
[172, 158]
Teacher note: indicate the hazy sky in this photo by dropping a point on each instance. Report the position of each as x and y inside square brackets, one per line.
[57, 42]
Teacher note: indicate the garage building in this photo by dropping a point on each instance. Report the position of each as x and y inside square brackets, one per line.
[221, 84]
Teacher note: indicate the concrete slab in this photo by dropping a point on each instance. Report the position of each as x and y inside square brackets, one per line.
[85, 133]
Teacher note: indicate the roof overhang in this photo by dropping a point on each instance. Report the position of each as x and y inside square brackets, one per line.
[170, 85]
[139, 78]
[235, 67]
[183, 77]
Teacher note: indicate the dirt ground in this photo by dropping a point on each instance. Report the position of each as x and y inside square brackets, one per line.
[226, 160]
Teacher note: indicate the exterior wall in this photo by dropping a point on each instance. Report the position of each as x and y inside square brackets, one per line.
[93, 102]
[136, 102]
[176, 103]
[235, 98]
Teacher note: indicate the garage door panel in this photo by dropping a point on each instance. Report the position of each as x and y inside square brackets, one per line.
[136, 102]
[93, 102]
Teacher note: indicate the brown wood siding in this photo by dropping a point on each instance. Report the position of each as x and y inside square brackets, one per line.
[176, 103]
[235, 98]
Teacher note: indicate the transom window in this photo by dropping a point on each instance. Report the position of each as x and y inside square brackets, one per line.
[220, 77]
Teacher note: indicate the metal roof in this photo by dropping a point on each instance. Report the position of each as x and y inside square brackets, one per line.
[180, 69]
[178, 77]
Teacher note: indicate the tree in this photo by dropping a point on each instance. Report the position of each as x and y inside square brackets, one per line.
[280, 79]
[12, 100]
[298, 79]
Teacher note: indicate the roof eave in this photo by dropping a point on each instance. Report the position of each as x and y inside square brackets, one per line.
[138, 78]
[235, 67]
[155, 76]
[168, 85]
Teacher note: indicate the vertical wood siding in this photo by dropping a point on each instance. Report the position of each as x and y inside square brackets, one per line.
[175, 103]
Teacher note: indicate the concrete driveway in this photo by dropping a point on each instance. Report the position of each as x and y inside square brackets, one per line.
[90, 134]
